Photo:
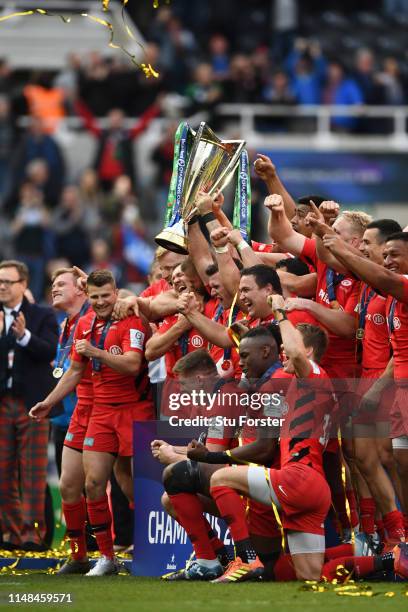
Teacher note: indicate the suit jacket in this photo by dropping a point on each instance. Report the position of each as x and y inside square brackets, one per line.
[31, 372]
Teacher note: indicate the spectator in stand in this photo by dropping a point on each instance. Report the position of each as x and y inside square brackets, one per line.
[31, 235]
[68, 80]
[372, 89]
[307, 69]
[45, 102]
[218, 56]
[69, 225]
[278, 90]
[242, 86]
[390, 79]
[101, 259]
[178, 47]
[92, 199]
[94, 85]
[343, 90]
[204, 93]
[162, 157]
[114, 155]
[7, 142]
[37, 144]
[365, 75]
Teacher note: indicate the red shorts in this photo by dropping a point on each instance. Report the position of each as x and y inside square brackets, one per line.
[261, 520]
[78, 425]
[304, 496]
[382, 414]
[399, 413]
[110, 428]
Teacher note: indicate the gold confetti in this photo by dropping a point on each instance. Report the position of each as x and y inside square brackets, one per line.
[147, 69]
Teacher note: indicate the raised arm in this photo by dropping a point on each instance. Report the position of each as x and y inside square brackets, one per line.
[378, 277]
[303, 286]
[143, 122]
[291, 338]
[280, 228]
[337, 321]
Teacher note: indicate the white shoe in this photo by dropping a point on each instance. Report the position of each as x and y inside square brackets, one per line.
[104, 567]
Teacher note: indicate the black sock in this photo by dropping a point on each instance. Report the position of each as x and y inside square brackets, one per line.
[386, 561]
[244, 550]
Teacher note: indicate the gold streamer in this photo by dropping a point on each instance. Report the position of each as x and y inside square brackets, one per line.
[147, 69]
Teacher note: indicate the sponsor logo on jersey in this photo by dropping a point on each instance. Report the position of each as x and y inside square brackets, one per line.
[396, 322]
[346, 282]
[378, 319]
[115, 350]
[197, 342]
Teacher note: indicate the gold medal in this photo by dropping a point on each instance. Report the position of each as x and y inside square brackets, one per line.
[360, 333]
[57, 372]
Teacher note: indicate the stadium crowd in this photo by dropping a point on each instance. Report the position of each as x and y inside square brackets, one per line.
[314, 318]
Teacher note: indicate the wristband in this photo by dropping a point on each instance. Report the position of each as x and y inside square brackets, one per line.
[208, 217]
[222, 249]
[194, 219]
[242, 245]
[217, 458]
[283, 313]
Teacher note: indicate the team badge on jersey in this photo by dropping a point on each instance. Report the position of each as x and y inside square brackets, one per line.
[197, 342]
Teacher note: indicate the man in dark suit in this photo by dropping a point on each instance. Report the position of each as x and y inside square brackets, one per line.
[28, 341]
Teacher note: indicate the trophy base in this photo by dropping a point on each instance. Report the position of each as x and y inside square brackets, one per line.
[172, 241]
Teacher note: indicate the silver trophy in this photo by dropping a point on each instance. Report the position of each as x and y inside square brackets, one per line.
[211, 165]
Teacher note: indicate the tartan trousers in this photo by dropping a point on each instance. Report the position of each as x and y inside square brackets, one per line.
[23, 472]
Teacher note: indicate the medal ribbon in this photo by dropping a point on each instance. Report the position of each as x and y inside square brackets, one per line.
[242, 202]
[267, 375]
[65, 345]
[364, 303]
[181, 141]
[390, 318]
[96, 364]
[183, 342]
[332, 280]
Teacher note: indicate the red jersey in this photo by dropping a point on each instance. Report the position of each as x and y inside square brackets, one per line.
[397, 318]
[84, 389]
[340, 358]
[160, 286]
[127, 335]
[302, 316]
[376, 343]
[190, 341]
[261, 247]
[306, 427]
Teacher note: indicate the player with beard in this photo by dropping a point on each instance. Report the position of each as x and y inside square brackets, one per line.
[257, 282]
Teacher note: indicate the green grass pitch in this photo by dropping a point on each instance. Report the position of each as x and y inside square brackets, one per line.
[127, 593]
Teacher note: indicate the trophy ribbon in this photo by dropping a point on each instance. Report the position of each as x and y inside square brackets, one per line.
[173, 213]
[242, 202]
